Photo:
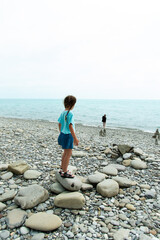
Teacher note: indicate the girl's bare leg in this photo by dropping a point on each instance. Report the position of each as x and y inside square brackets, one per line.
[65, 159]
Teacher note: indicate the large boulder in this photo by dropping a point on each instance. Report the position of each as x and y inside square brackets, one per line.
[123, 148]
[18, 167]
[16, 218]
[108, 188]
[31, 196]
[124, 182]
[138, 164]
[43, 222]
[72, 200]
[71, 184]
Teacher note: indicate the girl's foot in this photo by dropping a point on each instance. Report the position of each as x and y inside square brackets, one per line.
[61, 171]
[67, 175]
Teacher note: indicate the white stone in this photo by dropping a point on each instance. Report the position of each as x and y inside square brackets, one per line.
[121, 234]
[110, 170]
[138, 164]
[7, 176]
[31, 174]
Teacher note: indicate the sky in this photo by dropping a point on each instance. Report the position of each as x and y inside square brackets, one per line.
[91, 49]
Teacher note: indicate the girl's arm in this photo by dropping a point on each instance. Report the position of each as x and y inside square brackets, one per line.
[59, 125]
[76, 141]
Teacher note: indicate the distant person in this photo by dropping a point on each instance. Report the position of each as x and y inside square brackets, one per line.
[104, 118]
[156, 136]
[67, 135]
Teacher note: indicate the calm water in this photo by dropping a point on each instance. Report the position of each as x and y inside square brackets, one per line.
[137, 114]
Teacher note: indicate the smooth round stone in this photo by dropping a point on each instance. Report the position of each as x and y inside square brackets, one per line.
[144, 186]
[3, 167]
[43, 222]
[31, 174]
[2, 206]
[138, 164]
[1, 190]
[118, 167]
[24, 230]
[127, 162]
[130, 207]
[38, 236]
[57, 188]
[96, 178]
[121, 234]
[16, 218]
[86, 186]
[124, 182]
[71, 200]
[127, 155]
[4, 234]
[79, 154]
[108, 188]
[7, 176]
[110, 170]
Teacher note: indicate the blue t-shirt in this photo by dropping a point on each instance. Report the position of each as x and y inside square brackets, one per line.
[65, 123]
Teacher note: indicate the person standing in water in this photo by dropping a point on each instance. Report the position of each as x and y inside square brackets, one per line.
[104, 118]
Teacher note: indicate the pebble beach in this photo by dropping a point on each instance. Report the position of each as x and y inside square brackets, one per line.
[130, 210]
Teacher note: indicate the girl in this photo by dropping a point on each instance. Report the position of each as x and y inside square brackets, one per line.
[67, 135]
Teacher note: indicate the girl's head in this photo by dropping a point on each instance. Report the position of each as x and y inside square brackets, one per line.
[69, 102]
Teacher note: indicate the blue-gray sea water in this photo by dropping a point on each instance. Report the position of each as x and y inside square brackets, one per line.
[136, 114]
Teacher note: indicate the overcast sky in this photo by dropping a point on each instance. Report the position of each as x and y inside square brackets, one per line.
[92, 49]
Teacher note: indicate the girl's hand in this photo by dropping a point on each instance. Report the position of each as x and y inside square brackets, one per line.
[76, 141]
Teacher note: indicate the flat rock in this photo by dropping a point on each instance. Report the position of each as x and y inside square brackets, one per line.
[86, 186]
[32, 174]
[57, 188]
[16, 218]
[118, 167]
[96, 178]
[121, 234]
[7, 176]
[7, 196]
[79, 154]
[108, 188]
[43, 222]
[124, 182]
[110, 170]
[38, 236]
[138, 151]
[123, 148]
[3, 167]
[71, 184]
[71, 200]
[4, 234]
[138, 164]
[31, 196]
[18, 167]
[2, 206]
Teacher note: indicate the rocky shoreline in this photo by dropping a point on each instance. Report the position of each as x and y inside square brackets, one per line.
[118, 197]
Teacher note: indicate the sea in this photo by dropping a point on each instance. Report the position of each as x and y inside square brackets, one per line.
[127, 114]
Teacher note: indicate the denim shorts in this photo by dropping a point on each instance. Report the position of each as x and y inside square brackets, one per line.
[65, 140]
